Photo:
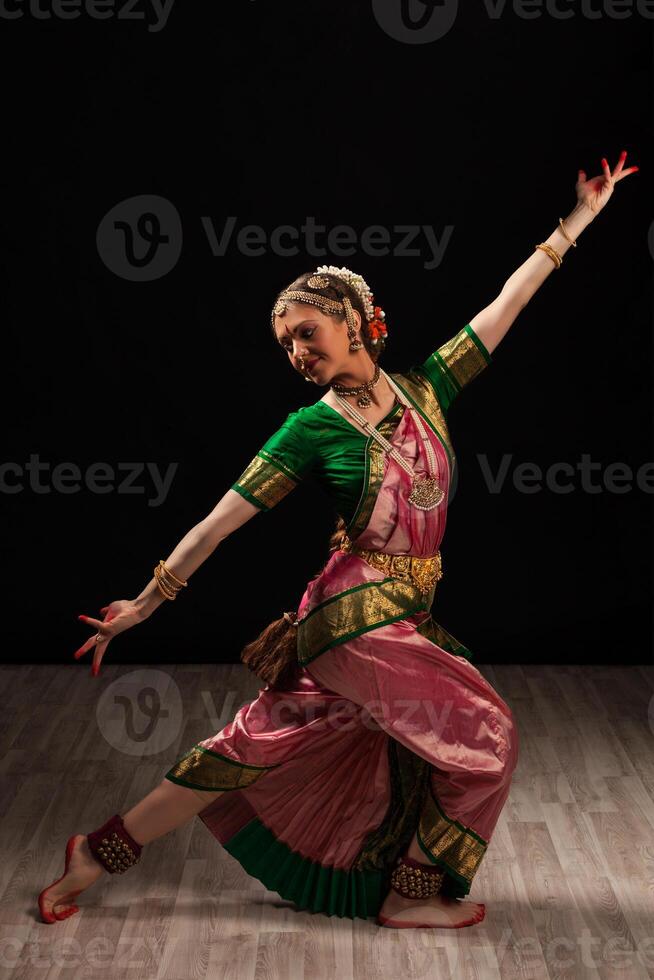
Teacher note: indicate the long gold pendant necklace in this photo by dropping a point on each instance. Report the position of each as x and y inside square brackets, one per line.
[425, 490]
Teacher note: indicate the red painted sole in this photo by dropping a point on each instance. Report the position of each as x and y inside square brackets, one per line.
[52, 916]
[395, 924]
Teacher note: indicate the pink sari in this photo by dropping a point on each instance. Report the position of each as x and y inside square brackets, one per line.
[383, 732]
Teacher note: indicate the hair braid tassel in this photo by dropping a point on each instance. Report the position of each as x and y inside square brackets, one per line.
[272, 656]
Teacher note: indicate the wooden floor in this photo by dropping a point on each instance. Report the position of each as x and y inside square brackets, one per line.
[568, 879]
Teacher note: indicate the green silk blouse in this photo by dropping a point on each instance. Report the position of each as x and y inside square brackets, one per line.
[317, 442]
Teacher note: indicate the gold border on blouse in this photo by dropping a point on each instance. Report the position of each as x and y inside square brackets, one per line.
[266, 480]
[461, 357]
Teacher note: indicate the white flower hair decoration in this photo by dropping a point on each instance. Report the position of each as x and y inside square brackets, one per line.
[374, 314]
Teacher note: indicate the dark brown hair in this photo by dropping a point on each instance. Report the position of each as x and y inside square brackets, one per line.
[337, 289]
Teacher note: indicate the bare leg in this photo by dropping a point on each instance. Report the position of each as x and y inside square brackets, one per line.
[436, 911]
[167, 807]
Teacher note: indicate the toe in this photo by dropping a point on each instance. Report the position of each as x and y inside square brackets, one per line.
[45, 908]
[66, 912]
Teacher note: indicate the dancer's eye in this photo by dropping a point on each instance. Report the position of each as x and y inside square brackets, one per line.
[305, 334]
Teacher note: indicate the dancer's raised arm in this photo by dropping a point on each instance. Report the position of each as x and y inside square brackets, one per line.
[231, 511]
[492, 323]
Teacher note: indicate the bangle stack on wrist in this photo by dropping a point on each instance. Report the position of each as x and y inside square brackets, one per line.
[168, 584]
[552, 252]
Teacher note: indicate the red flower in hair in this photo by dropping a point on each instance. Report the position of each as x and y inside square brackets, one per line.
[376, 326]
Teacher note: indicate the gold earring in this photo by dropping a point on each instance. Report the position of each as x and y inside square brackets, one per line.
[351, 325]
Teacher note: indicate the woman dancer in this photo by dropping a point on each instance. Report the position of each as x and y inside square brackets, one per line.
[369, 773]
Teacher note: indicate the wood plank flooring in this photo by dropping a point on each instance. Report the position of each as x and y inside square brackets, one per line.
[568, 879]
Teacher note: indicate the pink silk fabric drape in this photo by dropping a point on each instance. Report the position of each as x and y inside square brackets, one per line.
[395, 526]
[326, 735]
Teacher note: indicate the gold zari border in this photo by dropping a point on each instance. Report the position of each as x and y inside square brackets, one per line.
[422, 393]
[449, 841]
[356, 611]
[462, 358]
[373, 476]
[204, 769]
[265, 481]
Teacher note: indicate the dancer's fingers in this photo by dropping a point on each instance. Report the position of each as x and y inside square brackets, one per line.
[625, 173]
[84, 648]
[97, 623]
[98, 654]
[620, 164]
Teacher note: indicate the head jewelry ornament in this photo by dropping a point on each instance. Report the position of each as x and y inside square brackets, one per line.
[375, 316]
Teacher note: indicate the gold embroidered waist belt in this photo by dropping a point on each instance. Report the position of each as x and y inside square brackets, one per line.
[423, 572]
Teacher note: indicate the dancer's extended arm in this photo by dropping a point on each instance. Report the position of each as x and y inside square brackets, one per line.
[230, 513]
[277, 468]
[492, 323]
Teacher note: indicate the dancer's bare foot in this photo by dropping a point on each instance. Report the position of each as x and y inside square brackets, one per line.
[81, 870]
[437, 911]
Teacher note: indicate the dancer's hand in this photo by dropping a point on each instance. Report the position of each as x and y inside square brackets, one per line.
[120, 615]
[595, 193]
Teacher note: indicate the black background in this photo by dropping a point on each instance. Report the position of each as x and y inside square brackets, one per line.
[271, 113]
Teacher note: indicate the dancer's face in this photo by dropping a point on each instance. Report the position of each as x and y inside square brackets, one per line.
[320, 340]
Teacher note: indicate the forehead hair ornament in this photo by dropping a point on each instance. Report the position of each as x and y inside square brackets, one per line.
[375, 316]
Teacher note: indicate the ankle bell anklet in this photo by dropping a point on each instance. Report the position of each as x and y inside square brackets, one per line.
[113, 846]
[414, 880]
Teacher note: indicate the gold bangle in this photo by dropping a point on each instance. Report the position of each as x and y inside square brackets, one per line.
[574, 244]
[553, 254]
[164, 588]
[163, 591]
[170, 574]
